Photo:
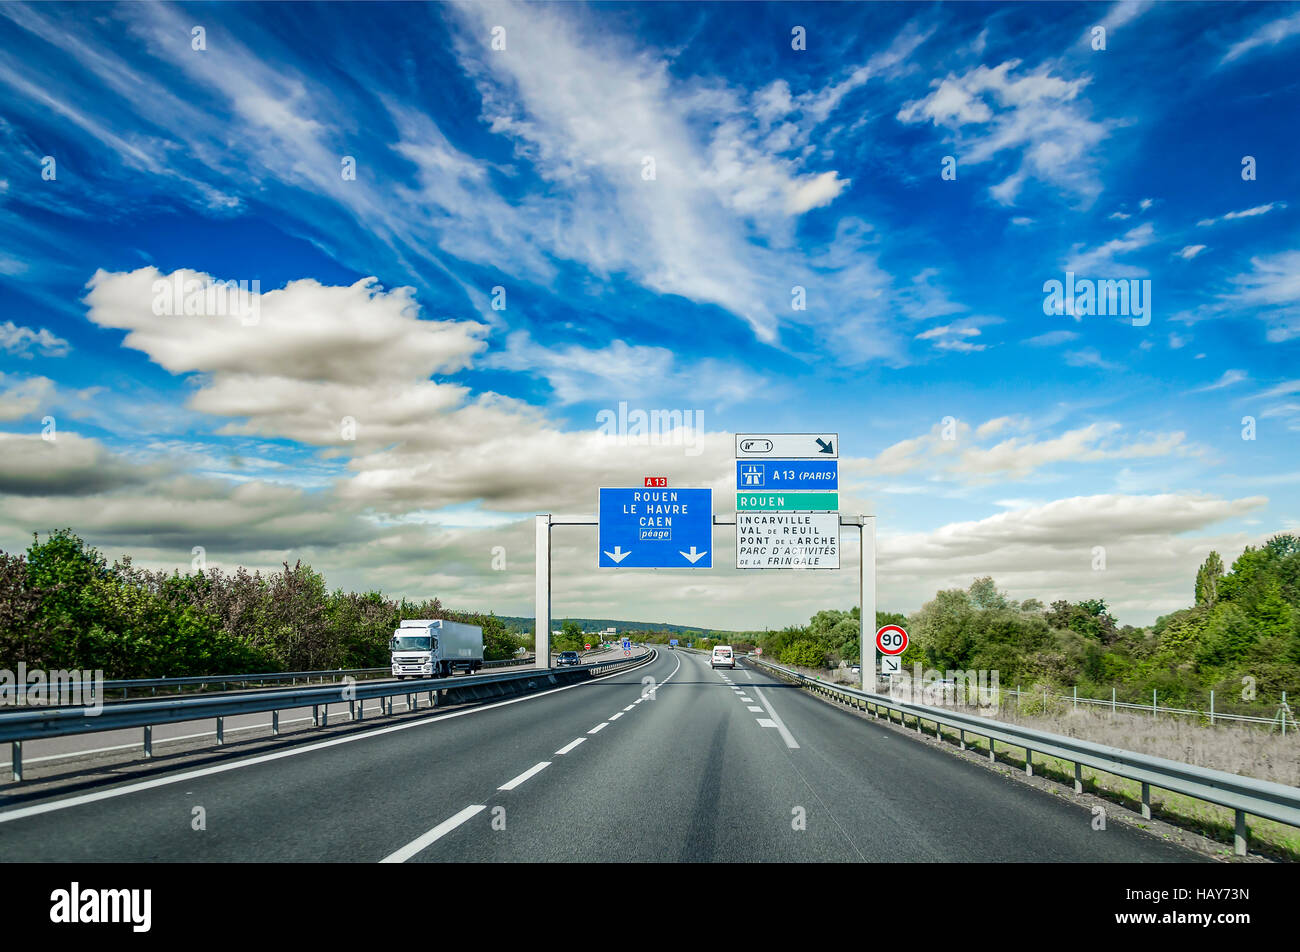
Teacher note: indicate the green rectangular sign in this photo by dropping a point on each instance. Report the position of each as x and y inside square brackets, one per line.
[787, 502]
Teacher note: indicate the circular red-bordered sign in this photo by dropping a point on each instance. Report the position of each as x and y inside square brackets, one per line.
[891, 640]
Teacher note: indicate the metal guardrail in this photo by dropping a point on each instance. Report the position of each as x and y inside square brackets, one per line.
[38, 723]
[1243, 795]
[153, 684]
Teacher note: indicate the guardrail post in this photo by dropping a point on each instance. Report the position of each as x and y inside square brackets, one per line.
[361, 710]
[1211, 708]
[963, 739]
[433, 699]
[1240, 839]
[17, 760]
[148, 740]
[352, 710]
[325, 716]
[221, 730]
[1076, 697]
[1146, 800]
[991, 756]
[1112, 700]
[1078, 778]
[1029, 762]
[275, 723]
[315, 715]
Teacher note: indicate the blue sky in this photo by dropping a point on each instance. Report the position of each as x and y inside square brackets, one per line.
[987, 436]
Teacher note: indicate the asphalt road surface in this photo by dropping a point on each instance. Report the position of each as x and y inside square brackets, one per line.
[695, 765]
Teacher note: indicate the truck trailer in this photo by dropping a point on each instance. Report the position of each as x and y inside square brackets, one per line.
[433, 648]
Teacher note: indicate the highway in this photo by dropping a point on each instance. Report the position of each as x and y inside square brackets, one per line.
[709, 766]
[126, 743]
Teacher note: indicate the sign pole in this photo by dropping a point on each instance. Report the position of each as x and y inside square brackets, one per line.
[542, 642]
[867, 599]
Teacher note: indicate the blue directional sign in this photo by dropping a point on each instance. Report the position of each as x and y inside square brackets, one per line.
[626, 644]
[656, 528]
[787, 474]
[673, 642]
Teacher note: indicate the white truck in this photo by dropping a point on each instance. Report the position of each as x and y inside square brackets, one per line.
[433, 648]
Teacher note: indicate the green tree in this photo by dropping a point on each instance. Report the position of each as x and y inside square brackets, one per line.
[1207, 580]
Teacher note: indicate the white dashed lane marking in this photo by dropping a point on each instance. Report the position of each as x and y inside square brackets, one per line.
[437, 833]
[535, 769]
[569, 746]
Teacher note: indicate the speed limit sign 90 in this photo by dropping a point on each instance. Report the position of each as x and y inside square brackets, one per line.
[891, 640]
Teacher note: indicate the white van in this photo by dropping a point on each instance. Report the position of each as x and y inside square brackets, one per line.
[723, 657]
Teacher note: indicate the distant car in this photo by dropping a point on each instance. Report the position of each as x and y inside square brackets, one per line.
[567, 657]
[722, 657]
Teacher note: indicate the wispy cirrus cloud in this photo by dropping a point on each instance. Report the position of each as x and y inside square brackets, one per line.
[1041, 117]
[1269, 34]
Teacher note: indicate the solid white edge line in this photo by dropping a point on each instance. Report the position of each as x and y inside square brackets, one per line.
[53, 805]
[535, 769]
[438, 832]
[569, 746]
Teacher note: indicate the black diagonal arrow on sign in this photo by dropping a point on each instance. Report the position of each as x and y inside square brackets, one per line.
[825, 446]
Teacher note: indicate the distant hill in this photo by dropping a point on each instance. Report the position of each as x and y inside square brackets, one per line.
[525, 624]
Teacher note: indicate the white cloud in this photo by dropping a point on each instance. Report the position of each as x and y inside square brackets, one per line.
[964, 459]
[619, 371]
[587, 109]
[1100, 261]
[1153, 544]
[1270, 34]
[1089, 357]
[1041, 116]
[955, 336]
[1123, 12]
[22, 397]
[1244, 213]
[1052, 338]
[1273, 286]
[19, 341]
[1189, 252]
[1227, 380]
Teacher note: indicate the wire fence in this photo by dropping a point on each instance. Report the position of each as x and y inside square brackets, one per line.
[1276, 717]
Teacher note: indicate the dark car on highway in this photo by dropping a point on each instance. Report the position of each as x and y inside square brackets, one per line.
[567, 657]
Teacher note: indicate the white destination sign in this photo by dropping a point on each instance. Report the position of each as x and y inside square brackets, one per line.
[788, 445]
[787, 540]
